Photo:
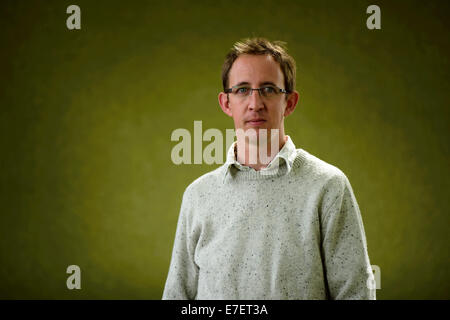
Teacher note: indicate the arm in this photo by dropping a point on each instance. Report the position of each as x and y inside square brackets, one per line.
[344, 247]
[182, 278]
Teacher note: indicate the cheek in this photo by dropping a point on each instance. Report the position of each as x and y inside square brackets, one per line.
[277, 114]
[237, 118]
[238, 115]
[282, 111]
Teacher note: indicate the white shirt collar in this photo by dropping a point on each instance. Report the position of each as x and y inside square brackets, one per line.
[287, 153]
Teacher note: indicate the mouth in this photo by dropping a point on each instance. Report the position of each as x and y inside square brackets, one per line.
[256, 122]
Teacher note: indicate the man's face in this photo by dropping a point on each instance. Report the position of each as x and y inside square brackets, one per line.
[256, 71]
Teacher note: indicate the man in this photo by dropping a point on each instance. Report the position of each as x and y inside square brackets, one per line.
[278, 224]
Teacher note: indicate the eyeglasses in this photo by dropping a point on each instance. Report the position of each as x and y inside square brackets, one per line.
[244, 91]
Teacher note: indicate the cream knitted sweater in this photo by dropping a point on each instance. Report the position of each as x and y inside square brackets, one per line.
[290, 231]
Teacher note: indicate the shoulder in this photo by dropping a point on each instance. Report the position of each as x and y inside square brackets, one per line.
[206, 182]
[315, 170]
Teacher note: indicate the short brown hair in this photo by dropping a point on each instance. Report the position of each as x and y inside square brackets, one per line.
[262, 46]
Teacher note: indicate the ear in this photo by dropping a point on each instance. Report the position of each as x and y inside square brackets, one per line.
[225, 104]
[291, 103]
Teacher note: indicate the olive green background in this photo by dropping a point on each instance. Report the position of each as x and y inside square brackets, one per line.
[87, 115]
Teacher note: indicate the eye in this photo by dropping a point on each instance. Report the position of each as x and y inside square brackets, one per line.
[269, 90]
[242, 90]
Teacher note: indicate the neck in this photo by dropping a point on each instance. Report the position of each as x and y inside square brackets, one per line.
[257, 152]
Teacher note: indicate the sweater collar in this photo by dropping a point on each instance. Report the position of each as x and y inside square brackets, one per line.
[287, 155]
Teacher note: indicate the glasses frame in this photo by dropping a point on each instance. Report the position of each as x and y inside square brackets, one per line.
[230, 90]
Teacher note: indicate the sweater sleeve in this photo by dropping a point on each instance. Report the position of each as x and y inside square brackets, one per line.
[181, 283]
[344, 248]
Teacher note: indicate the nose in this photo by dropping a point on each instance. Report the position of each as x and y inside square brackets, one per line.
[255, 102]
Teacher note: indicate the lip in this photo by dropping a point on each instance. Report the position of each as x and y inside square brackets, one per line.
[256, 122]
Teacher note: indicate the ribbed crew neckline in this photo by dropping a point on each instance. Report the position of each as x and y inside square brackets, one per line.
[236, 174]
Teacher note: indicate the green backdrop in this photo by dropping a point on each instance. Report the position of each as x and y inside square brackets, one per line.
[86, 119]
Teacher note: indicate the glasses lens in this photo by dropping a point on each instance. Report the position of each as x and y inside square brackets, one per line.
[241, 91]
[269, 91]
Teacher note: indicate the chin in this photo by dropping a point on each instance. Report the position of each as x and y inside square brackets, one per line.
[259, 131]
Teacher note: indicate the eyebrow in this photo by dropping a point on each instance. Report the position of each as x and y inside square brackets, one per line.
[261, 84]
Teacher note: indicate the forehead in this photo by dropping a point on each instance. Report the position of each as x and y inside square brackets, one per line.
[255, 69]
